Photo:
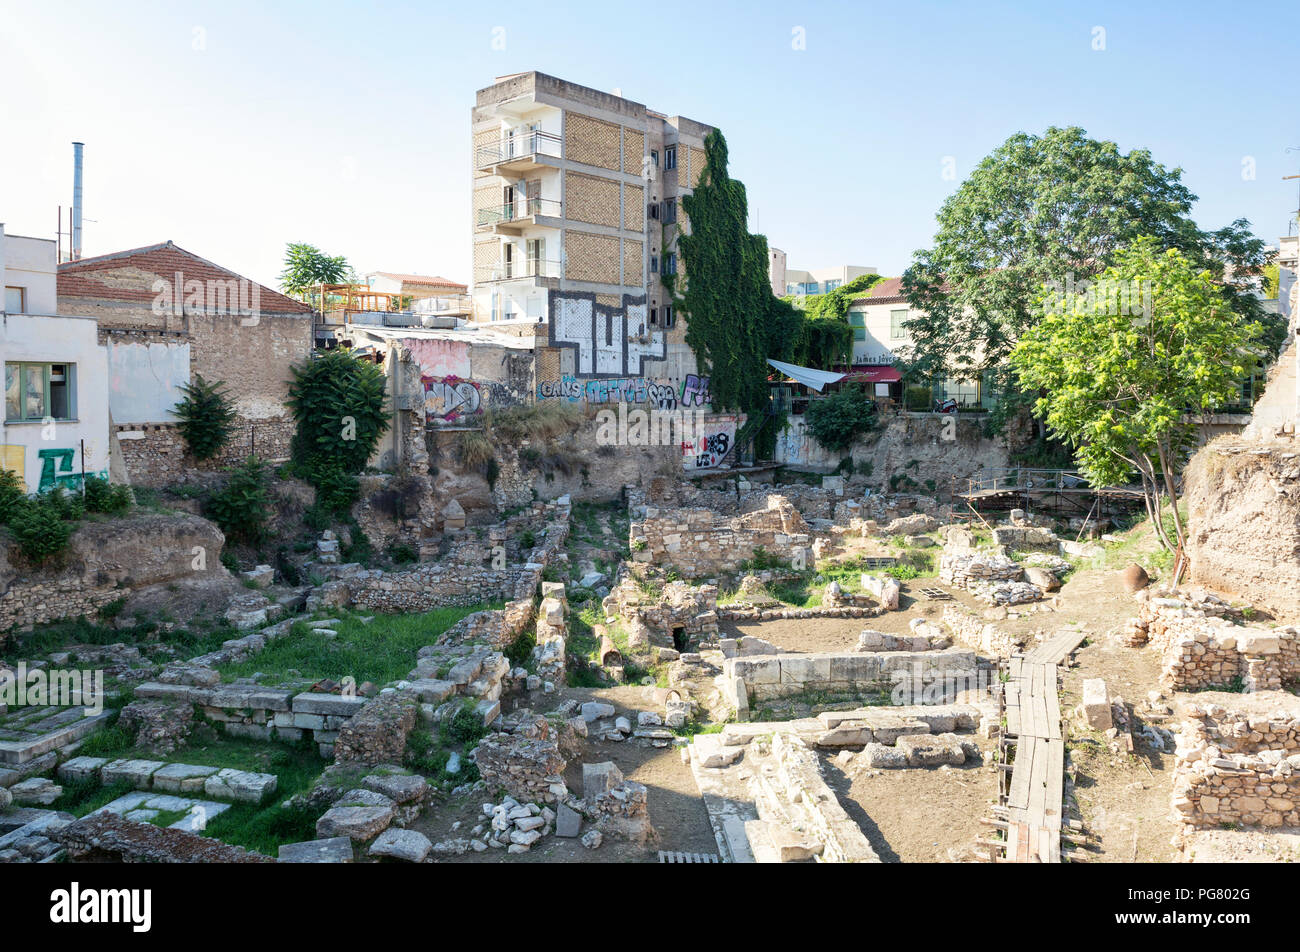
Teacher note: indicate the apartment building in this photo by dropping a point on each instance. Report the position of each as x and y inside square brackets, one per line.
[576, 217]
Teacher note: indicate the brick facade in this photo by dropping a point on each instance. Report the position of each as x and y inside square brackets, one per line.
[591, 199]
[591, 257]
[592, 141]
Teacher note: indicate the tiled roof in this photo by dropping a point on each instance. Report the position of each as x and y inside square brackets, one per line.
[127, 277]
[430, 280]
[888, 291]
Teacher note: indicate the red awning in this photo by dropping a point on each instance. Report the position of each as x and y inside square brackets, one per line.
[873, 375]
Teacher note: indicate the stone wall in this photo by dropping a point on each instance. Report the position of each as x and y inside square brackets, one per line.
[987, 639]
[700, 544]
[155, 455]
[1235, 768]
[766, 677]
[1199, 650]
[106, 561]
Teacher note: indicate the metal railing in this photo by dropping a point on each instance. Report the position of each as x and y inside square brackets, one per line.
[523, 208]
[522, 145]
[527, 268]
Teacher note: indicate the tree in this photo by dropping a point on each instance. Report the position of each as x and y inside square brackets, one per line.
[1122, 381]
[205, 417]
[338, 403]
[734, 321]
[841, 417]
[1047, 210]
[306, 267]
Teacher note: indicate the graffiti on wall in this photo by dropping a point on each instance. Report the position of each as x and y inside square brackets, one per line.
[606, 341]
[715, 438]
[695, 391]
[450, 398]
[635, 390]
[58, 469]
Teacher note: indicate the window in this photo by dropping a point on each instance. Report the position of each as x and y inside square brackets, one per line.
[859, 325]
[16, 300]
[670, 157]
[654, 264]
[670, 263]
[654, 157]
[896, 329]
[832, 284]
[670, 319]
[654, 316]
[670, 210]
[965, 392]
[535, 249]
[37, 391]
[652, 210]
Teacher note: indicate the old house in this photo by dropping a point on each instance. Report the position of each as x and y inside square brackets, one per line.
[165, 316]
[56, 426]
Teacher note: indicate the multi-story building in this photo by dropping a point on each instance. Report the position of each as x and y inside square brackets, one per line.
[576, 216]
[817, 281]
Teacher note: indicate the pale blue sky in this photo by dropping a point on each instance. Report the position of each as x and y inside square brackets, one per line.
[236, 127]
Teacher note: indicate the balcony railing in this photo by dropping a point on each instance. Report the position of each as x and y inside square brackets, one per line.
[524, 145]
[517, 270]
[524, 208]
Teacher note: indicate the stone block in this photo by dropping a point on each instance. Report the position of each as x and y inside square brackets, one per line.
[335, 849]
[240, 785]
[355, 823]
[1096, 705]
[600, 778]
[406, 845]
[182, 778]
[138, 773]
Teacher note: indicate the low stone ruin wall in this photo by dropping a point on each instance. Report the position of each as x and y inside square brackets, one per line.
[1200, 650]
[106, 561]
[107, 837]
[651, 619]
[1235, 768]
[767, 677]
[699, 543]
[987, 639]
[993, 578]
[155, 453]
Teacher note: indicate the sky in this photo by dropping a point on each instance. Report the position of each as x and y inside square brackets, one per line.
[235, 128]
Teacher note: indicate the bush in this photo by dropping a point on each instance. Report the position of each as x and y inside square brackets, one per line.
[39, 527]
[839, 419]
[205, 417]
[103, 496]
[11, 491]
[918, 398]
[240, 507]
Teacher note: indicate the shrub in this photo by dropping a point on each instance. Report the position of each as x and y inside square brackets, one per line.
[68, 505]
[839, 419]
[240, 507]
[918, 398]
[102, 496]
[11, 491]
[205, 417]
[338, 402]
[39, 527]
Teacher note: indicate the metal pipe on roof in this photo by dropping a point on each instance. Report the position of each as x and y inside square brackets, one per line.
[75, 250]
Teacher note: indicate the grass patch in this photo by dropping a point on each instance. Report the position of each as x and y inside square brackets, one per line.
[381, 651]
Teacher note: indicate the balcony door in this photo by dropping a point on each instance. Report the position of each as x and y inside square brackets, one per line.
[535, 248]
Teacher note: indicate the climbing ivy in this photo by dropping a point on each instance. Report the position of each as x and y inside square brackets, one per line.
[734, 322]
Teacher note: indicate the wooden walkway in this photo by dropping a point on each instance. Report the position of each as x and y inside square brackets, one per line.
[1033, 799]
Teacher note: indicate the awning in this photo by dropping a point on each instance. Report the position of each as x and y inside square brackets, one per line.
[874, 375]
[813, 379]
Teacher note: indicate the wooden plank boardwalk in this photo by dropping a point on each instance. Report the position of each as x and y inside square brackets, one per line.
[1033, 799]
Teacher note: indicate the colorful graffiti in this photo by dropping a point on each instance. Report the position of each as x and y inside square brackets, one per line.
[606, 341]
[712, 444]
[695, 391]
[659, 396]
[450, 398]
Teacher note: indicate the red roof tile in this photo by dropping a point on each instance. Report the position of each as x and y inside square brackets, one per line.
[425, 279]
[110, 277]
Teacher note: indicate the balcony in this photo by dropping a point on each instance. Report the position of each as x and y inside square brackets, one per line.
[513, 218]
[527, 270]
[520, 152]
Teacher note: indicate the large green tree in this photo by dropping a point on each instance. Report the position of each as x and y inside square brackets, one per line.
[306, 267]
[734, 322]
[1126, 367]
[1048, 209]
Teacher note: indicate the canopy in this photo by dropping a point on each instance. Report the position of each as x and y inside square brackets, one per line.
[814, 379]
[880, 374]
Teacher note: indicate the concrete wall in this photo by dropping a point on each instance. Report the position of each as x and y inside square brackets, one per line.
[29, 263]
[50, 454]
[145, 379]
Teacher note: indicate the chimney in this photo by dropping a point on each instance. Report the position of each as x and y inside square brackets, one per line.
[75, 250]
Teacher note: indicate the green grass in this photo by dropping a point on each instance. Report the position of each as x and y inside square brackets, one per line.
[381, 651]
[55, 636]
